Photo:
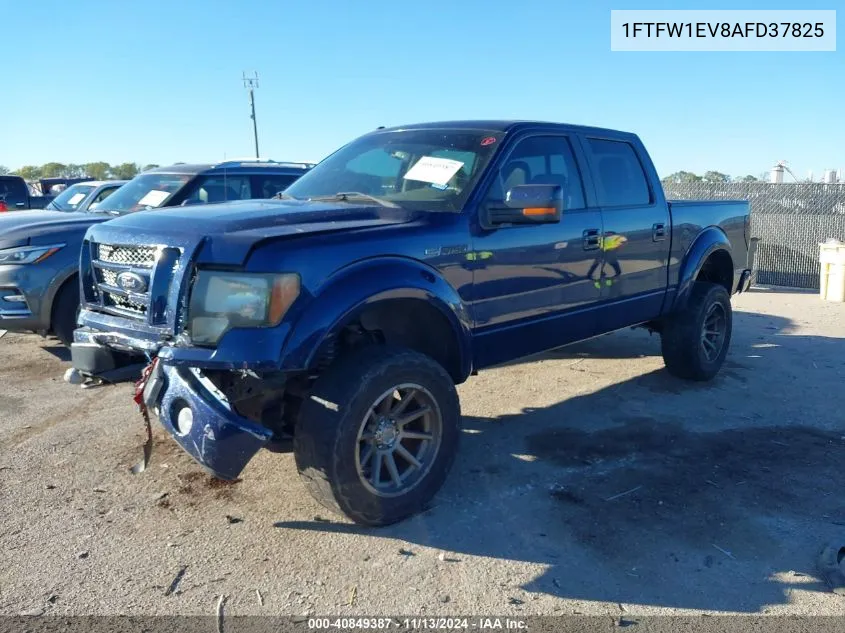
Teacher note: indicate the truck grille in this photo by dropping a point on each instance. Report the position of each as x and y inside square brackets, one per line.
[141, 256]
[126, 304]
[151, 268]
[108, 277]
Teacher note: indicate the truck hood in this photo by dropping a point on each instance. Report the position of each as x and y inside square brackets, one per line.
[19, 228]
[226, 232]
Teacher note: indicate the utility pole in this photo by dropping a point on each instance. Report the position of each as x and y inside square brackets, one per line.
[251, 83]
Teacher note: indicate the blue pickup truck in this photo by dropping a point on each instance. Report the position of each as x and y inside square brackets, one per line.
[338, 319]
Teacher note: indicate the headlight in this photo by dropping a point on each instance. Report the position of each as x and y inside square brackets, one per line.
[221, 301]
[27, 254]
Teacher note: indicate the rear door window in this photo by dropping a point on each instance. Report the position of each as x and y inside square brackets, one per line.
[620, 179]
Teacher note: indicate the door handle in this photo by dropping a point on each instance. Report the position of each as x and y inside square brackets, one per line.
[658, 232]
[591, 239]
[20, 204]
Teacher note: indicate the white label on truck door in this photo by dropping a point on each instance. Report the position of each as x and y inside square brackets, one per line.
[437, 171]
[76, 198]
[154, 198]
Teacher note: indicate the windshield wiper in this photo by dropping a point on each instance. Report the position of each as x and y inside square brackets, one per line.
[349, 196]
[284, 196]
[108, 211]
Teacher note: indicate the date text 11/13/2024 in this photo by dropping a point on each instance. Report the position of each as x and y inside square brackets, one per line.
[421, 623]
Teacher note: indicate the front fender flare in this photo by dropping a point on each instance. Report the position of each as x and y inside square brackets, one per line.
[707, 242]
[355, 287]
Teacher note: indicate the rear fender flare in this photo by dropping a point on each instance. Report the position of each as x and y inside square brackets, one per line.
[709, 241]
[351, 290]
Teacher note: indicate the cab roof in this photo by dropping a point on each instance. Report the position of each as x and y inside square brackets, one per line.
[505, 126]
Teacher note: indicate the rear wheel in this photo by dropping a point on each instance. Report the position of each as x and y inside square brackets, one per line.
[66, 311]
[377, 435]
[695, 340]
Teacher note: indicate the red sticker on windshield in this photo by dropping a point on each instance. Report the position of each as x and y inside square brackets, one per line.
[488, 141]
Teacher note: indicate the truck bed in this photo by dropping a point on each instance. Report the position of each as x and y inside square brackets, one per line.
[690, 217]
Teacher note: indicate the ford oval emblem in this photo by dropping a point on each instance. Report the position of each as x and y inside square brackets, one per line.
[131, 282]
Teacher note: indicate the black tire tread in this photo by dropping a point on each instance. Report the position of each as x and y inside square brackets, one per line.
[65, 304]
[679, 338]
[315, 434]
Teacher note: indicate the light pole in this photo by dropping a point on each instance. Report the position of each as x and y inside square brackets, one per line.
[251, 83]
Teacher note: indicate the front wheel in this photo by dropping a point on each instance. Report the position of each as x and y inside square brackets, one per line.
[695, 340]
[377, 435]
[65, 311]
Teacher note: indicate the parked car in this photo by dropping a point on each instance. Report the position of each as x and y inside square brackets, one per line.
[183, 185]
[39, 251]
[57, 184]
[343, 316]
[84, 195]
[15, 195]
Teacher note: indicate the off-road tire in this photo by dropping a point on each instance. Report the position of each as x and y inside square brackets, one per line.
[681, 342]
[65, 311]
[325, 437]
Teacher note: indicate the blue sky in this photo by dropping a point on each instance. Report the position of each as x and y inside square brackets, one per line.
[160, 81]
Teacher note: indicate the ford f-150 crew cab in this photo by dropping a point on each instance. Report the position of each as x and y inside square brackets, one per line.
[340, 317]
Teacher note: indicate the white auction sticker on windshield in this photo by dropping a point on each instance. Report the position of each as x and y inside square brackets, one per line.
[76, 198]
[154, 198]
[437, 171]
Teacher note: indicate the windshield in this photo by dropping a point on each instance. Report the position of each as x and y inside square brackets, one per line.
[70, 198]
[145, 191]
[427, 169]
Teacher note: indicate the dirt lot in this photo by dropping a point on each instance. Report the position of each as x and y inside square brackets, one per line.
[731, 489]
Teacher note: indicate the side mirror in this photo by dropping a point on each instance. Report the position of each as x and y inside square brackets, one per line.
[530, 204]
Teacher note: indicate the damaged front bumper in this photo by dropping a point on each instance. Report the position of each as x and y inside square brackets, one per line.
[187, 404]
[96, 353]
[201, 420]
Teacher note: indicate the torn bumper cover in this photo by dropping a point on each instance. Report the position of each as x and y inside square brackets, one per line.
[200, 419]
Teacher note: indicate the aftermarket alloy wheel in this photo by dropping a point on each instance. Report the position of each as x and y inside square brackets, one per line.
[377, 435]
[398, 440]
[695, 340]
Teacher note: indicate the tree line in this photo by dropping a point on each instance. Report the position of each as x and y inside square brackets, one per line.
[683, 177]
[94, 171]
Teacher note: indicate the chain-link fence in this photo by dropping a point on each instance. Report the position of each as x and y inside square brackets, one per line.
[790, 220]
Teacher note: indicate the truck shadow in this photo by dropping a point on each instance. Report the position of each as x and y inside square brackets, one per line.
[784, 290]
[654, 491]
[58, 350]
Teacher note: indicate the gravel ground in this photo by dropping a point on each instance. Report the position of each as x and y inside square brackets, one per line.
[586, 478]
